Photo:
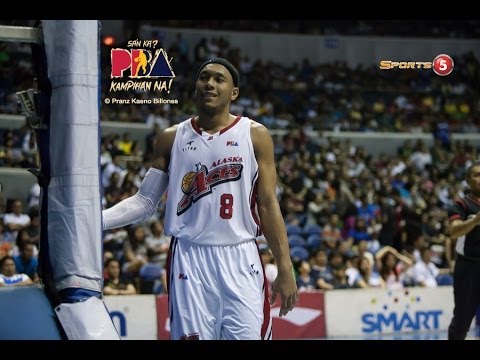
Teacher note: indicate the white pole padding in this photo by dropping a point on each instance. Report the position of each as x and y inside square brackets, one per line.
[74, 203]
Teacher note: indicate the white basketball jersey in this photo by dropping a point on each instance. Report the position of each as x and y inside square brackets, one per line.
[211, 193]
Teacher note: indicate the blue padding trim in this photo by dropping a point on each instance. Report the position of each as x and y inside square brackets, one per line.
[73, 295]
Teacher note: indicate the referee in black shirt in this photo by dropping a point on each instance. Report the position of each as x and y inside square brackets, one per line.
[464, 217]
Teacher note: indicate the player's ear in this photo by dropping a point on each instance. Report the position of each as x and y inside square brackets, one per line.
[235, 93]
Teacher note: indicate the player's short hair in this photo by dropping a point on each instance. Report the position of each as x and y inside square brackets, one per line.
[228, 65]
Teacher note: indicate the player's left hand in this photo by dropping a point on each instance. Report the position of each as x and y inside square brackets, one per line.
[286, 286]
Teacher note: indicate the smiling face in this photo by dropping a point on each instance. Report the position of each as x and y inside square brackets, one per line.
[214, 89]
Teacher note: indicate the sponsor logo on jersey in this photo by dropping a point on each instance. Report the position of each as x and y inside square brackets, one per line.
[189, 146]
[252, 271]
[232, 143]
[196, 185]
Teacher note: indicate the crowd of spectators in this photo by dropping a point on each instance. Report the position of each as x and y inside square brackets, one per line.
[321, 96]
[340, 205]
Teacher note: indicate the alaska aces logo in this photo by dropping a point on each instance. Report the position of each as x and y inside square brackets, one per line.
[196, 185]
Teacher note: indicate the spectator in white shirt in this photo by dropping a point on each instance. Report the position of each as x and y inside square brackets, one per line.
[9, 276]
[425, 272]
[15, 221]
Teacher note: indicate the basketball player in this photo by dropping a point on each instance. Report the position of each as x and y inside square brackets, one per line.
[464, 220]
[142, 62]
[219, 169]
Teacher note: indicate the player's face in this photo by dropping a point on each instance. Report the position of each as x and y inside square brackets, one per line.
[214, 87]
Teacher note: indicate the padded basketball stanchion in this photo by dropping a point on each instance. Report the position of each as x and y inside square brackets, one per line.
[73, 200]
[27, 312]
[64, 111]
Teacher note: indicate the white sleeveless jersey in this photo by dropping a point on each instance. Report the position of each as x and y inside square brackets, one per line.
[211, 196]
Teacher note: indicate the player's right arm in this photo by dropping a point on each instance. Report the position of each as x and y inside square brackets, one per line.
[144, 203]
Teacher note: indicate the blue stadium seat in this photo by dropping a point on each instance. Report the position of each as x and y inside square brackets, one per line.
[294, 229]
[314, 241]
[445, 280]
[150, 275]
[296, 240]
[158, 287]
[299, 253]
[311, 229]
[150, 271]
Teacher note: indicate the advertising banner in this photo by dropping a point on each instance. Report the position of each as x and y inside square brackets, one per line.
[305, 321]
[134, 316]
[380, 311]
